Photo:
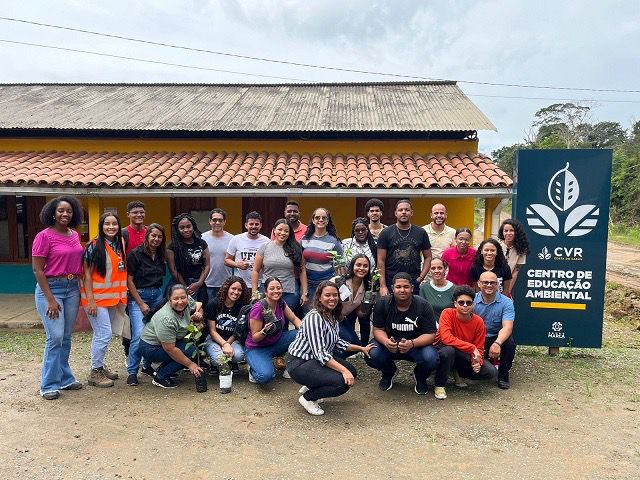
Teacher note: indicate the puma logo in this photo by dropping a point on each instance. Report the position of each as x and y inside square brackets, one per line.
[413, 322]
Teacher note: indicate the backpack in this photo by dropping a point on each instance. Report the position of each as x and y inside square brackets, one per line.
[241, 330]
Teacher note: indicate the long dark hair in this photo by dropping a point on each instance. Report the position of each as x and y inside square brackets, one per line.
[331, 228]
[161, 250]
[99, 261]
[48, 212]
[333, 315]
[177, 242]
[500, 262]
[520, 241]
[224, 290]
[350, 273]
[291, 247]
[370, 239]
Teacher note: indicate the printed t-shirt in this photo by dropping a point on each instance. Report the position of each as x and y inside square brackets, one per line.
[404, 250]
[218, 271]
[225, 319]
[354, 248]
[194, 259]
[62, 252]
[417, 320]
[241, 247]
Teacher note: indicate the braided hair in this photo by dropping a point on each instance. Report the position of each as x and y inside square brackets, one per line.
[370, 240]
[178, 245]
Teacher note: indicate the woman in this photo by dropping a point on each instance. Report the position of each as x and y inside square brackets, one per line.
[438, 291]
[146, 268]
[267, 338]
[460, 342]
[320, 239]
[56, 258]
[460, 258]
[188, 256]
[361, 241]
[357, 281]
[222, 314]
[489, 257]
[311, 362]
[282, 258]
[104, 292]
[162, 339]
[515, 246]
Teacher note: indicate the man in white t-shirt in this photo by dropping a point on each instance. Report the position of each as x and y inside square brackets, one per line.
[441, 236]
[242, 248]
[218, 240]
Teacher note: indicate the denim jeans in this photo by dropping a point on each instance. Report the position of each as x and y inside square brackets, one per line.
[293, 301]
[348, 328]
[101, 325]
[215, 351]
[453, 359]
[425, 358]
[259, 359]
[152, 297]
[168, 366]
[212, 292]
[322, 381]
[56, 372]
[507, 354]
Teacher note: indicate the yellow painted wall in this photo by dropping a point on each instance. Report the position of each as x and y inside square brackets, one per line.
[343, 211]
[459, 211]
[233, 207]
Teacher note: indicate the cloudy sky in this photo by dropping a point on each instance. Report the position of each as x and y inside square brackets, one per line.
[576, 44]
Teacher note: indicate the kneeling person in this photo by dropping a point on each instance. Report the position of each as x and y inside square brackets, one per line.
[460, 342]
[404, 328]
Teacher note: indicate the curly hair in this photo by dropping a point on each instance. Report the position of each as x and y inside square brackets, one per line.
[224, 290]
[500, 261]
[48, 212]
[331, 228]
[370, 240]
[373, 202]
[520, 241]
[291, 247]
[99, 260]
[463, 290]
[177, 242]
[332, 315]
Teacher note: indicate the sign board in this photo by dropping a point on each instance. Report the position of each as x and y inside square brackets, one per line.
[561, 197]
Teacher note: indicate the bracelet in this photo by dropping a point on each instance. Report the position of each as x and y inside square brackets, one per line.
[226, 343]
[413, 345]
[498, 343]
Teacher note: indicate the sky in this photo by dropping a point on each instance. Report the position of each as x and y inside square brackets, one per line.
[576, 44]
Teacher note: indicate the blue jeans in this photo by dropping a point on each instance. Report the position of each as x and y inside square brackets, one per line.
[259, 359]
[56, 372]
[425, 358]
[293, 301]
[102, 333]
[215, 351]
[168, 366]
[212, 292]
[152, 297]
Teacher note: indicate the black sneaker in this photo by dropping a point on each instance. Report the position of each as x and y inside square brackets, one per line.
[163, 382]
[51, 395]
[73, 386]
[149, 371]
[173, 376]
[386, 382]
[503, 383]
[132, 380]
[234, 367]
[421, 385]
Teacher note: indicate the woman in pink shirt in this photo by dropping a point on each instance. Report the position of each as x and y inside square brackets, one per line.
[57, 265]
[460, 258]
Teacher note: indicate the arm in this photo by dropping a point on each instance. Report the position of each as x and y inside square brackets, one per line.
[508, 316]
[304, 283]
[382, 257]
[447, 337]
[255, 274]
[92, 308]
[144, 308]
[289, 315]
[426, 265]
[176, 355]
[37, 264]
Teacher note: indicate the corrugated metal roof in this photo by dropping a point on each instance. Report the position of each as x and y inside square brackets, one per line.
[337, 107]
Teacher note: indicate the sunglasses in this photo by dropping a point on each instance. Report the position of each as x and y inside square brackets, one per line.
[319, 218]
[464, 303]
[217, 220]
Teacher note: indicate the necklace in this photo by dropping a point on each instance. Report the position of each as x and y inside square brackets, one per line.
[405, 236]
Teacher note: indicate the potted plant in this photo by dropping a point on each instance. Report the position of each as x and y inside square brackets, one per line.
[339, 261]
[193, 338]
[225, 373]
[371, 295]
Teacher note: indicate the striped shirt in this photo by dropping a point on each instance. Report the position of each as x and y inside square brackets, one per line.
[318, 262]
[317, 339]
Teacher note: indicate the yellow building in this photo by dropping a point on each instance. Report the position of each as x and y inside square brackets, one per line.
[191, 148]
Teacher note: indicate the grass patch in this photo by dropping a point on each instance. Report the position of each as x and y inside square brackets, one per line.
[627, 234]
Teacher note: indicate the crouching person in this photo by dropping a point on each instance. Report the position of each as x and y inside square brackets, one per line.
[460, 342]
[162, 339]
[404, 328]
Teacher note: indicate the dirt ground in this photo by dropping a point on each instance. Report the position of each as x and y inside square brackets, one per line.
[623, 264]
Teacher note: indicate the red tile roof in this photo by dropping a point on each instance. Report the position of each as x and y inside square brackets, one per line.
[162, 170]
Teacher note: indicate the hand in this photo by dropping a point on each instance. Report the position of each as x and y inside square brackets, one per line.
[340, 270]
[242, 264]
[303, 299]
[476, 367]
[494, 351]
[475, 357]
[348, 378]
[193, 288]
[227, 350]
[391, 344]
[92, 308]
[367, 349]
[197, 317]
[53, 310]
[144, 308]
[195, 370]
[405, 345]
[267, 328]
[384, 290]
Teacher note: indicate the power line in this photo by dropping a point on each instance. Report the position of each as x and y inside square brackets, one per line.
[196, 67]
[309, 65]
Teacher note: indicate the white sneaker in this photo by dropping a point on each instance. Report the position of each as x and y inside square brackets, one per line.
[304, 389]
[251, 379]
[285, 374]
[310, 406]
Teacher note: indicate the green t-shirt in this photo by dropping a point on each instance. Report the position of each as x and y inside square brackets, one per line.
[166, 326]
[439, 298]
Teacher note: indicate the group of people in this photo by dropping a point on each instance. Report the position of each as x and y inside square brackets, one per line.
[303, 293]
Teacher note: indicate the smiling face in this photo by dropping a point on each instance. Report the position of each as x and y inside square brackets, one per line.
[404, 213]
[438, 214]
[281, 232]
[509, 234]
[437, 270]
[329, 297]
[273, 290]
[185, 227]
[464, 305]
[179, 300]
[361, 267]
[253, 226]
[488, 283]
[402, 289]
[292, 214]
[489, 253]
[320, 219]
[136, 216]
[155, 238]
[360, 232]
[217, 221]
[234, 292]
[63, 214]
[110, 227]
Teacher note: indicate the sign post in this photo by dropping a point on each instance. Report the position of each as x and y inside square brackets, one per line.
[562, 200]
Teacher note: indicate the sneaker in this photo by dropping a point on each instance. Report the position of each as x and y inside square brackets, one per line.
[279, 363]
[310, 406]
[421, 385]
[235, 368]
[163, 382]
[51, 395]
[97, 378]
[132, 380]
[440, 393]
[285, 374]
[458, 380]
[503, 382]
[251, 378]
[386, 382]
[150, 371]
[303, 389]
[73, 386]
[109, 374]
[213, 370]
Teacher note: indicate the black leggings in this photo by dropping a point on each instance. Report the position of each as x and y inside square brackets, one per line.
[322, 382]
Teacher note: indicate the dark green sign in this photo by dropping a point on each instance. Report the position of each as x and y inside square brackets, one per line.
[562, 199]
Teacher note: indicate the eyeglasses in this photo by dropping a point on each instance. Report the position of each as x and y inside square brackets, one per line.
[217, 220]
[319, 218]
[488, 284]
[465, 303]
[361, 230]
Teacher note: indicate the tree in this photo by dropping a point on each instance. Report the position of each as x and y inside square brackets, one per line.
[566, 119]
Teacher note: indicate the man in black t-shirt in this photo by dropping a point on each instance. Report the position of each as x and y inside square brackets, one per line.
[401, 248]
[404, 328]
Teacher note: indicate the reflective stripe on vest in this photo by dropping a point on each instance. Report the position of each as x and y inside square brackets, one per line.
[110, 289]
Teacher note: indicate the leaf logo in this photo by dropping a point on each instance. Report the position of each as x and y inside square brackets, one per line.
[544, 254]
[564, 189]
[581, 220]
[543, 220]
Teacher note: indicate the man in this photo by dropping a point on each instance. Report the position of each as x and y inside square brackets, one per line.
[404, 328]
[292, 214]
[441, 236]
[373, 211]
[400, 247]
[242, 248]
[218, 240]
[498, 314]
[135, 232]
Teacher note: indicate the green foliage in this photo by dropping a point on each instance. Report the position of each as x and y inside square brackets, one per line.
[622, 233]
[193, 338]
[224, 364]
